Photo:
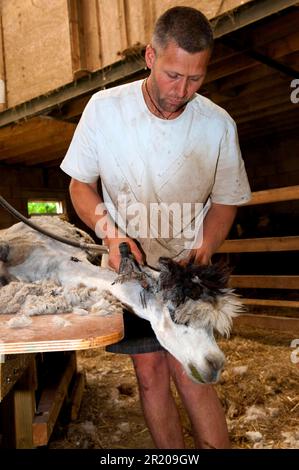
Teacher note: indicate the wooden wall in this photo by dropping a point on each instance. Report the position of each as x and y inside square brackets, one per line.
[18, 184]
[48, 44]
[36, 42]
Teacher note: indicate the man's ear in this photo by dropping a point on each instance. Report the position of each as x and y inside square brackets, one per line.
[150, 55]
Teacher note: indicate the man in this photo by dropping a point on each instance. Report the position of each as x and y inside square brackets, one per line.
[156, 141]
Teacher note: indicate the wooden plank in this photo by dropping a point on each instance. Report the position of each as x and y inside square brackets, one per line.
[226, 85]
[240, 61]
[92, 34]
[47, 153]
[37, 48]
[78, 51]
[49, 131]
[24, 407]
[120, 71]
[289, 193]
[264, 282]
[76, 395]
[279, 98]
[42, 335]
[112, 13]
[269, 322]
[50, 404]
[272, 303]
[255, 122]
[276, 110]
[7, 422]
[248, 14]
[252, 245]
[11, 369]
[255, 90]
[2, 70]
[278, 26]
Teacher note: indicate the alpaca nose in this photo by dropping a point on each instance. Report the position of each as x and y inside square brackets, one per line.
[215, 363]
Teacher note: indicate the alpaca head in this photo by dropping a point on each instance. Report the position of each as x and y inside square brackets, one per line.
[193, 303]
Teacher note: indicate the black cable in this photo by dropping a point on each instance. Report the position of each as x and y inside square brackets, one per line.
[84, 246]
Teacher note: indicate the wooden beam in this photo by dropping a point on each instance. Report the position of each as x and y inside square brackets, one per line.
[240, 61]
[262, 58]
[2, 70]
[254, 245]
[269, 322]
[76, 395]
[250, 136]
[250, 99]
[78, 51]
[264, 282]
[107, 77]
[271, 303]
[32, 137]
[45, 154]
[11, 370]
[246, 106]
[59, 155]
[50, 404]
[280, 116]
[229, 86]
[248, 14]
[289, 193]
[24, 407]
[276, 110]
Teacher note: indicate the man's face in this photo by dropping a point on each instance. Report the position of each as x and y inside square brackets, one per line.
[175, 74]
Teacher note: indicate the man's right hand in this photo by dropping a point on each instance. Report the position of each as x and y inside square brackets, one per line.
[114, 254]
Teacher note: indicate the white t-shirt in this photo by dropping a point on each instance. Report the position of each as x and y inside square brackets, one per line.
[142, 159]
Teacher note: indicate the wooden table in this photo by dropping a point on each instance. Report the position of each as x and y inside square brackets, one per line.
[44, 335]
[28, 424]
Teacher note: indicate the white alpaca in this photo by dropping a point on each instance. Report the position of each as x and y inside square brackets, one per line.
[183, 323]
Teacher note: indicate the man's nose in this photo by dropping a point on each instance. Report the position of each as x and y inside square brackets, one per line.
[182, 88]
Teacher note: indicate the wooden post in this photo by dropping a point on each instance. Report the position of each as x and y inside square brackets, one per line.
[24, 408]
[2, 70]
[77, 38]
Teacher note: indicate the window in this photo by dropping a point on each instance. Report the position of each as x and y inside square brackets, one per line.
[44, 207]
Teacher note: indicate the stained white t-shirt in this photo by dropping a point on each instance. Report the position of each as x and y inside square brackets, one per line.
[142, 159]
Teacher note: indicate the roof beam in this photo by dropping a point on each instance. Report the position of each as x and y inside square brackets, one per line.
[135, 66]
[248, 14]
[260, 57]
[94, 81]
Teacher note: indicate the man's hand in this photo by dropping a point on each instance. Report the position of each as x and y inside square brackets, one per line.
[199, 256]
[216, 226]
[114, 255]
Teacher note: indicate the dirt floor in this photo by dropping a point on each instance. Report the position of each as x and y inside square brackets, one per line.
[259, 390]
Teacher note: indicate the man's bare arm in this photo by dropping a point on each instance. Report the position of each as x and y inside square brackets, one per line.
[216, 227]
[86, 200]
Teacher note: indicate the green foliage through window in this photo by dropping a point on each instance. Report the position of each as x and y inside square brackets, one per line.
[44, 207]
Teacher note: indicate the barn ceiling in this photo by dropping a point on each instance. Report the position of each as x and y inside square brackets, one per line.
[250, 76]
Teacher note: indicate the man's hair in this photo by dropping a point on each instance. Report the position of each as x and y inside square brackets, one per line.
[186, 26]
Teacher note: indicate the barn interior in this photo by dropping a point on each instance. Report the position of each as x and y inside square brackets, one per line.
[253, 74]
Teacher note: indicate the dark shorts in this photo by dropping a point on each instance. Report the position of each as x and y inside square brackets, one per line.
[139, 337]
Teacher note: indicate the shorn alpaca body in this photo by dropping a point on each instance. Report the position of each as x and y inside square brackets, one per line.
[183, 305]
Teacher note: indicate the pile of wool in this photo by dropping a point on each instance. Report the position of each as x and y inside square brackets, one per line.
[48, 297]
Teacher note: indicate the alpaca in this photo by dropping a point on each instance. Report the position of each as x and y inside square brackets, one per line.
[183, 304]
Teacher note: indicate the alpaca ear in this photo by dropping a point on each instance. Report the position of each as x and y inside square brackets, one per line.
[214, 276]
